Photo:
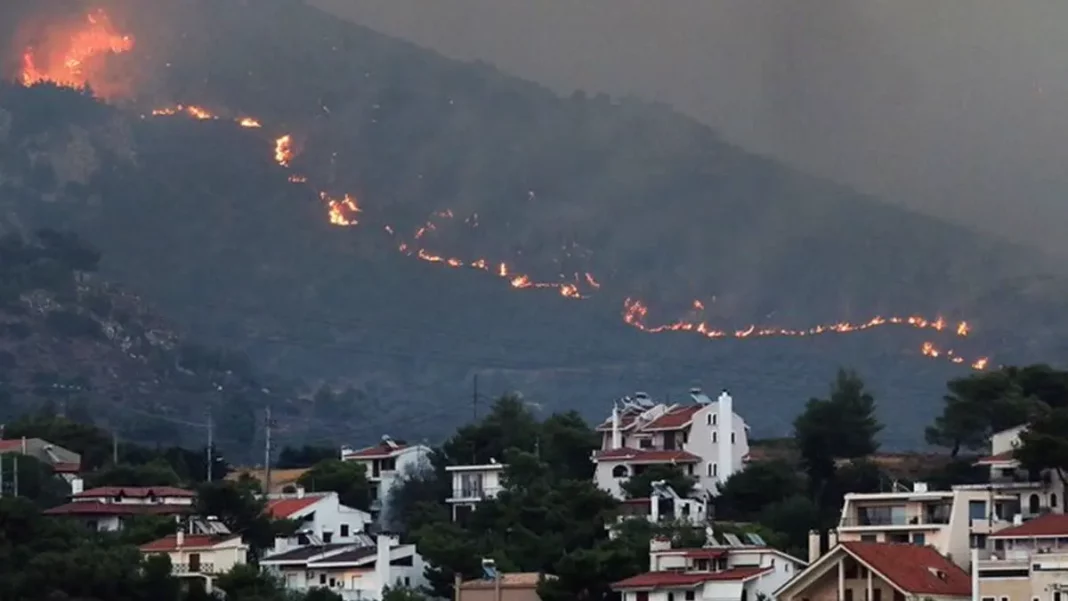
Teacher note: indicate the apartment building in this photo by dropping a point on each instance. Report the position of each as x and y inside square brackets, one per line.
[704, 438]
[1026, 562]
[722, 570]
[863, 571]
[472, 484]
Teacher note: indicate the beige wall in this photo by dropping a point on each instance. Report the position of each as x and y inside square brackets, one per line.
[1039, 586]
[507, 594]
[825, 588]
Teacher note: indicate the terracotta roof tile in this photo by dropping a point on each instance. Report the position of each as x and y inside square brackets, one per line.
[1006, 457]
[90, 508]
[647, 456]
[508, 580]
[192, 541]
[675, 419]
[382, 449]
[135, 492]
[627, 419]
[283, 508]
[915, 569]
[687, 579]
[1053, 524]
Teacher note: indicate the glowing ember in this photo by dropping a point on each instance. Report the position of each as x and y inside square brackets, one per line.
[72, 63]
[249, 122]
[283, 150]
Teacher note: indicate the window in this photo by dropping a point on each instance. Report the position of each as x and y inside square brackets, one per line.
[689, 596]
[996, 599]
[1053, 500]
[671, 597]
[1056, 596]
[322, 578]
[1004, 599]
[876, 594]
[327, 537]
[732, 437]
[407, 581]
[689, 469]
[333, 582]
[869, 538]
[710, 469]
[715, 468]
[977, 510]
[713, 437]
[899, 596]
[708, 419]
[713, 416]
[849, 594]
[919, 539]
[645, 443]
[344, 530]
[470, 486]
[642, 596]
[194, 562]
[619, 471]
[390, 464]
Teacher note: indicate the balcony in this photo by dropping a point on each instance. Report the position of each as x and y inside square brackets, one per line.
[988, 526]
[183, 569]
[462, 495]
[903, 522]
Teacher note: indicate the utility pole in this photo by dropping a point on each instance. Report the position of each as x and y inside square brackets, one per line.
[267, 451]
[1, 475]
[211, 445]
[15, 473]
[474, 400]
[114, 447]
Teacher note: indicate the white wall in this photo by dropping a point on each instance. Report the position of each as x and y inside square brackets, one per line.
[329, 517]
[704, 442]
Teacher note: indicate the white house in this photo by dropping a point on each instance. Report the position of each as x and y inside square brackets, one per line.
[200, 556]
[320, 515]
[665, 506]
[740, 572]
[385, 463]
[472, 484]
[707, 439]
[354, 571]
[105, 509]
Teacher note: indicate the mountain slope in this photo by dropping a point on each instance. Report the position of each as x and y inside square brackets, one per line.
[198, 217]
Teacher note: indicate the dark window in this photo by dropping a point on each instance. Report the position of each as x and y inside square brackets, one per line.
[388, 465]
[689, 596]
[877, 594]
[849, 594]
[642, 596]
[402, 561]
[899, 596]
[671, 597]
[407, 581]
[322, 578]
[645, 443]
[333, 582]
[344, 530]
[328, 536]
[669, 441]
[850, 570]
[868, 538]
[619, 471]
[194, 562]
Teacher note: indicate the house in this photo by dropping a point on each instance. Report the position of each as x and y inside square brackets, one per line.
[705, 439]
[857, 571]
[201, 555]
[472, 484]
[385, 463]
[359, 570]
[1026, 561]
[319, 514]
[65, 463]
[665, 506]
[736, 571]
[1035, 497]
[106, 509]
[501, 586]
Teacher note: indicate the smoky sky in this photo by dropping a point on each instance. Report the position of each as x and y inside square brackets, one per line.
[956, 109]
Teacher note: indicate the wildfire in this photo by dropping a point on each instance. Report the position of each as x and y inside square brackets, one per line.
[343, 211]
[72, 65]
[283, 150]
[249, 122]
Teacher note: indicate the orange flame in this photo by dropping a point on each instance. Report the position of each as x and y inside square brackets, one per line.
[73, 65]
[283, 150]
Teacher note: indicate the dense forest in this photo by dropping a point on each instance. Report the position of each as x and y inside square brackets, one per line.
[197, 218]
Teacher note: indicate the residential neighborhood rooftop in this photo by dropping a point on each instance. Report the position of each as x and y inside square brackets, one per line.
[915, 569]
[1050, 525]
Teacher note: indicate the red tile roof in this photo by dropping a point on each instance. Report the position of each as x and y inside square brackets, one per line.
[191, 541]
[627, 419]
[135, 492]
[283, 508]
[380, 450]
[675, 419]
[90, 508]
[1053, 524]
[647, 456]
[10, 445]
[915, 569]
[1006, 457]
[686, 579]
[66, 468]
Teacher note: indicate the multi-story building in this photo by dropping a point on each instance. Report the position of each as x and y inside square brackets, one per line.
[665, 506]
[320, 515]
[472, 484]
[744, 572]
[385, 463]
[200, 551]
[705, 438]
[106, 509]
[1026, 562]
[356, 571]
[862, 571]
[1033, 497]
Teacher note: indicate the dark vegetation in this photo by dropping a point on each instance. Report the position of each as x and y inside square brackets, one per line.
[196, 218]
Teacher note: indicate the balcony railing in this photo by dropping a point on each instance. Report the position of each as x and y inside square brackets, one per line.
[475, 493]
[203, 568]
[878, 521]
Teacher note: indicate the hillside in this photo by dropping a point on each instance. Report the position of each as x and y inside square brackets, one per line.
[198, 217]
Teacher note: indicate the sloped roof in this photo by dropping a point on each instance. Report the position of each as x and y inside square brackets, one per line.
[915, 569]
[135, 492]
[90, 508]
[647, 455]
[307, 552]
[687, 579]
[191, 541]
[675, 419]
[1006, 457]
[627, 419]
[1053, 524]
[380, 450]
[283, 508]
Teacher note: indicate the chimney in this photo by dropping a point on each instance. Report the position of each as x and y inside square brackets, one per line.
[919, 487]
[384, 542]
[300, 492]
[654, 508]
[617, 436]
[23, 445]
[77, 486]
[725, 425]
[180, 538]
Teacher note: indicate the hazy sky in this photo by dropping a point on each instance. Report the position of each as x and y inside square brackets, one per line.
[955, 107]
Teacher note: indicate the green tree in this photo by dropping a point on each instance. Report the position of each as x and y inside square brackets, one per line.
[36, 479]
[640, 486]
[748, 492]
[240, 510]
[1044, 444]
[979, 405]
[155, 473]
[348, 479]
[305, 456]
[402, 593]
